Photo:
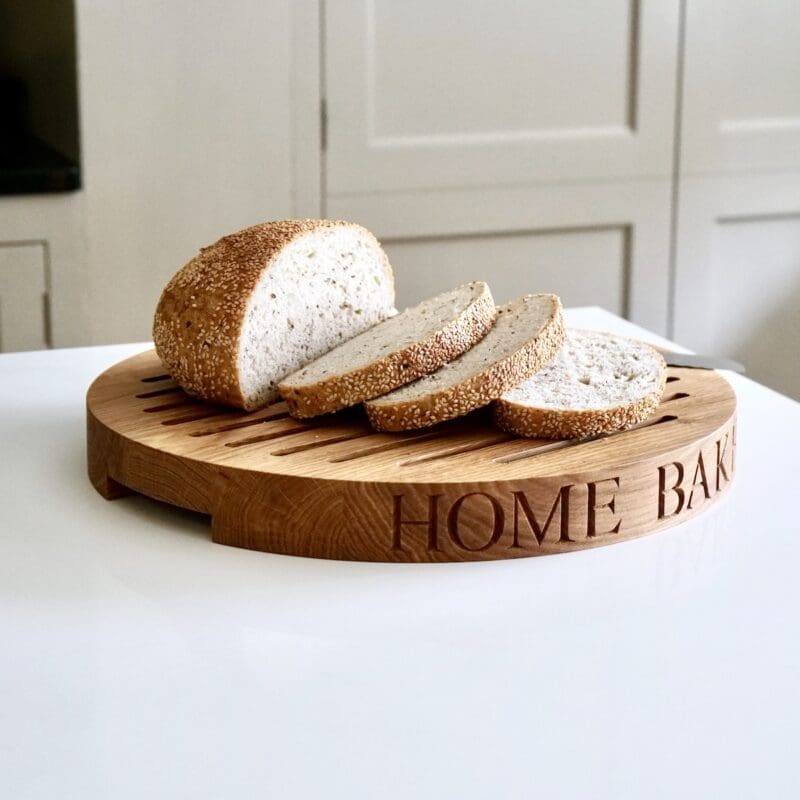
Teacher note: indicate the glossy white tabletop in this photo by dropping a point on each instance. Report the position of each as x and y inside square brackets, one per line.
[139, 660]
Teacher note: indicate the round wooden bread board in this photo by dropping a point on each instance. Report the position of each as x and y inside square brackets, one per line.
[462, 491]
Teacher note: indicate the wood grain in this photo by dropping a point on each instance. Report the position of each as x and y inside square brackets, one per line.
[463, 491]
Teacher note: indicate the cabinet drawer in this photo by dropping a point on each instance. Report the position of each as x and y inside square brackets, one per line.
[23, 297]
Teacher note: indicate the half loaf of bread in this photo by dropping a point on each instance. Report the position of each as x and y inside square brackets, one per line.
[257, 305]
[526, 335]
[598, 383]
[395, 352]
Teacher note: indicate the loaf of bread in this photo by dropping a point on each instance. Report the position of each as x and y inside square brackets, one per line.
[395, 352]
[598, 383]
[526, 335]
[261, 303]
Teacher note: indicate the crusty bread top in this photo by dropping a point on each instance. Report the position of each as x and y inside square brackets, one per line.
[394, 352]
[200, 313]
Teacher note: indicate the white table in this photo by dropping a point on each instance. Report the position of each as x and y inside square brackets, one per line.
[139, 660]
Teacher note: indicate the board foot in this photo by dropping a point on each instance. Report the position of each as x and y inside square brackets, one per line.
[108, 487]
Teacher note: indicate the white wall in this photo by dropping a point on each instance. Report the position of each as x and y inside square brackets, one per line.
[186, 136]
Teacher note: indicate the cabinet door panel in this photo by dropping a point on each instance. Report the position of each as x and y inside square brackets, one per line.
[529, 239]
[741, 99]
[737, 272]
[584, 267]
[449, 94]
[22, 297]
[759, 259]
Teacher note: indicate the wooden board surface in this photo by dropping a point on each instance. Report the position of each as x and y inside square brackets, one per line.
[462, 491]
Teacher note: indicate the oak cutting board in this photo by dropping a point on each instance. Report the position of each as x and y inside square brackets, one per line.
[462, 491]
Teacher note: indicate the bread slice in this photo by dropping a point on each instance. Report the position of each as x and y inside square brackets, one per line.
[598, 383]
[261, 303]
[527, 334]
[394, 352]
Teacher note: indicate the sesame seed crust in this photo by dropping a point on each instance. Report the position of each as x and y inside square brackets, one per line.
[537, 423]
[200, 315]
[478, 389]
[558, 423]
[396, 368]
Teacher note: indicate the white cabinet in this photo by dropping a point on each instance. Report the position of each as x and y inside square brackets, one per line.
[741, 99]
[424, 95]
[508, 139]
[737, 232]
[23, 297]
[42, 248]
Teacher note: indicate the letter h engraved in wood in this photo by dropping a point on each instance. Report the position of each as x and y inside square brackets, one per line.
[431, 523]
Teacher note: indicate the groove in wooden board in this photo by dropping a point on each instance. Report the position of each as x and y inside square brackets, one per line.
[333, 422]
[470, 446]
[297, 427]
[501, 441]
[416, 444]
[398, 441]
[672, 378]
[301, 448]
[561, 444]
[224, 429]
[516, 448]
[508, 447]
[233, 426]
[159, 392]
[185, 401]
[155, 378]
[201, 415]
[260, 496]
[409, 459]
[603, 450]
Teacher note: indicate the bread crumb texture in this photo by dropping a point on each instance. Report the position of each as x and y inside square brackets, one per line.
[598, 383]
[258, 304]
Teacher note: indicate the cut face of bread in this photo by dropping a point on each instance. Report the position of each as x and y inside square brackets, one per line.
[397, 351]
[263, 302]
[320, 290]
[526, 335]
[598, 383]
